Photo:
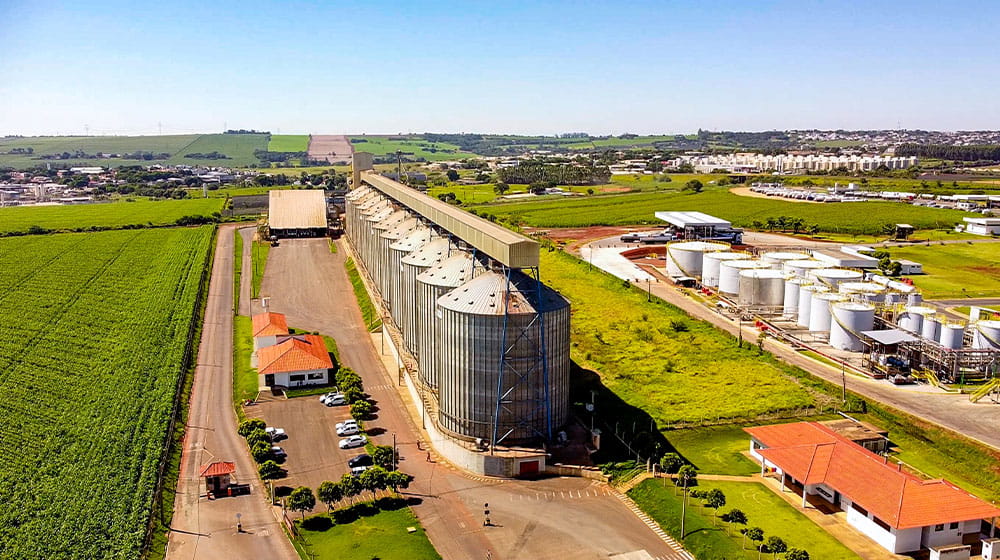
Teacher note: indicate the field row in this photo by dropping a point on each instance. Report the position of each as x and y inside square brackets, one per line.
[95, 330]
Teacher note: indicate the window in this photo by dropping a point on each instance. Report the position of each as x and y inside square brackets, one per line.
[297, 377]
[859, 509]
[953, 525]
[315, 376]
[939, 527]
[882, 524]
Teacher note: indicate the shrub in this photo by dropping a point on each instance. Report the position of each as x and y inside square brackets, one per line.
[248, 426]
[261, 452]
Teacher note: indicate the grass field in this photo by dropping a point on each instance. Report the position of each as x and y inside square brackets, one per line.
[96, 329]
[288, 143]
[108, 215]
[641, 141]
[418, 148]
[90, 145]
[708, 539]
[238, 147]
[258, 260]
[368, 311]
[955, 270]
[655, 357]
[626, 209]
[245, 380]
[383, 536]
[715, 449]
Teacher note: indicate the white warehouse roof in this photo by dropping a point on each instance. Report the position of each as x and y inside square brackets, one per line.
[300, 209]
[691, 219]
[983, 221]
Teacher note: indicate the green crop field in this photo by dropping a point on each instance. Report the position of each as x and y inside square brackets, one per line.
[955, 270]
[288, 143]
[418, 147]
[655, 357]
[95, 332]
[641, 141]
[90, 145]
[110, 215]
[238, 147]
[627, 209]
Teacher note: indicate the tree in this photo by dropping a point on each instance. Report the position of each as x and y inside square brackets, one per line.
[686, 475]
[361, 410]
[330, 493]
[261, 452]
[500, 188]
[250, 425]
[694, 185]
[269, 470]
[373, 480]
[671, 463]
[349, 486]
[397, 480]
[382, 456]
[735, 517]
[301, 499]
[257, 436]
[775, 545]
[796, 554]
[715, 499]
[452, 175]
[756, 535]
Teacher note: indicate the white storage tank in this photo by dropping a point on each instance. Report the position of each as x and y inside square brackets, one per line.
[802, 267]
[712, 262]
[867, 292]
[790, 304]
[763, 288]
[805, 301]
[892, 298]
[834, 276]
[729, 274]
[986, 335]
[952, 335]
[777, 260]
[912, 318]
[931, 330]
[686, 258]
[914, 299]
[819, 314]
[848, 320]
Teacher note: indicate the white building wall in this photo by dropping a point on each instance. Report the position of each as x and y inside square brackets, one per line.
[947, 535]
[866, 525]
[264, 341]
[908, 540]
[310, 377]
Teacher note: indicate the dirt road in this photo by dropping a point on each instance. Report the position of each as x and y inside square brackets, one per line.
[546, 519]
[202, 528]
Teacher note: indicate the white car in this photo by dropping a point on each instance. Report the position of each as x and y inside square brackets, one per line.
[346, 423]
[324, 396]
[275, 434]
[334, 399]
[359, 469]
[348, 430]
[353, 441]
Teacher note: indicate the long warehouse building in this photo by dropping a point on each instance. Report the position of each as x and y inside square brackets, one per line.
[491, 342]
[297, 213]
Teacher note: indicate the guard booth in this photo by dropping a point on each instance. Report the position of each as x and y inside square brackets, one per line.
[218, 478]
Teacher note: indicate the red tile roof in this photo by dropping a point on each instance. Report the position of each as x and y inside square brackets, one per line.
[299, 353]
[814, 454]
[218, 468]
[269, 324]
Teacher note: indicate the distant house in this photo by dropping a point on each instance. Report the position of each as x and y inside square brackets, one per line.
[267, 327]
[899, 511]
[295, 361]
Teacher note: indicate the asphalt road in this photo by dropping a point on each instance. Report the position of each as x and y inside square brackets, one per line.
[202, 528]
[545, 519]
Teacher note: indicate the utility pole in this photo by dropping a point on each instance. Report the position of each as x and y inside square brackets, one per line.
[684, 503]
[843, 381]
[394, 466]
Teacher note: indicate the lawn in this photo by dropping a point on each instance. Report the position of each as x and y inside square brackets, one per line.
[245, 382]
[413, 146]
[288, 143]
[627, 209]
[955, 270]
[368, 311]
[98, 331]
[655, 357]
[258, 260]
[384, 536]
[707, 538]
[110, 215]
[714, 449]
[90, 145]
[238, 148]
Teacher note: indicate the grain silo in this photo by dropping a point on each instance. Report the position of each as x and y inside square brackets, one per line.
[433, 283]
[711, 263]
[986, 335]
[388, 260]
[848, 321]
[802, 267]
[777, 259]
[412, 265]
[400, 294]
[729, 274]
[819, 311]
[805, 302]
[761, 289]
[833, 276]
[686, 258]
[506, 335]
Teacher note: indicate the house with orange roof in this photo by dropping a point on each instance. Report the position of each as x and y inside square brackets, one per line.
[267, 327]
[900, 511]
[295, 361]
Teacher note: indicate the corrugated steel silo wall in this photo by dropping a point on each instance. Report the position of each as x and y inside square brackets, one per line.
[428, 348]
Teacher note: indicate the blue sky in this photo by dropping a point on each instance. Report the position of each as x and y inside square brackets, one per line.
[518, 67]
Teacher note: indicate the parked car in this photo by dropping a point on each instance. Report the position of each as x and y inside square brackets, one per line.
[275, 434]
[324, 396]
[363, 460]
[346, 423]
[352, 441]
[278, 452]
[348, 430]
[359, 469]
[334, 399]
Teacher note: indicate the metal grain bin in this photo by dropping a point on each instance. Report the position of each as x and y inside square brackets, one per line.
[412, 265]
[388, 260]
[400, 294]
[432, 284]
